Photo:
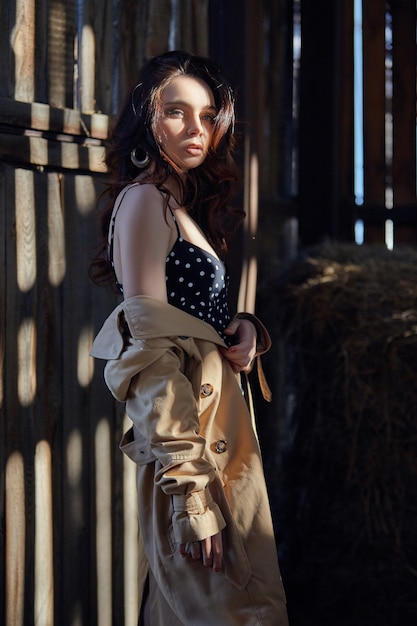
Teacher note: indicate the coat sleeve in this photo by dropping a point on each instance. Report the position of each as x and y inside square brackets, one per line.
[161, 403]
[263, 339]
[263, 344]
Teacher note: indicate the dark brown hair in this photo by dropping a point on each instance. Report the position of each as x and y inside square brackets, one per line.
[208, 189]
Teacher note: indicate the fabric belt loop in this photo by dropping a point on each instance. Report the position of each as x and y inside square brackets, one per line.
[195, 502]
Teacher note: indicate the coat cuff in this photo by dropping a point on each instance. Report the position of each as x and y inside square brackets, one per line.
[196, 516]
[263, 344]
[263, 340]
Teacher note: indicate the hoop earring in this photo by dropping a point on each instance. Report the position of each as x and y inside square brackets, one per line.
[140, 164]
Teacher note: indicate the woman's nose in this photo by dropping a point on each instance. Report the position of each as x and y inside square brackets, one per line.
[195, 127]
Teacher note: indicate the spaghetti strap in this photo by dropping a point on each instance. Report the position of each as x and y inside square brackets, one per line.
[112, 227]
[113, 220]
[175, 222]
[111, 237]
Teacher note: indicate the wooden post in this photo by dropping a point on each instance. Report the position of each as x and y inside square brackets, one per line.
[404, 117]
[374, 118]
[325, 138]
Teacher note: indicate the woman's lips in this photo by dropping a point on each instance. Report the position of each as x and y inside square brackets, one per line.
[194, 149]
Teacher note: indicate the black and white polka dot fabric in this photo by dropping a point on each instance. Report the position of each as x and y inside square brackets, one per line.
[197, 282]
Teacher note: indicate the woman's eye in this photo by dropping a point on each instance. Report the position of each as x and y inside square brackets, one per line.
[209, 118]
[175, 113]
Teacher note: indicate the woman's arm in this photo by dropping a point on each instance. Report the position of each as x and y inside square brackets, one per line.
[143, 236]
[162, 405]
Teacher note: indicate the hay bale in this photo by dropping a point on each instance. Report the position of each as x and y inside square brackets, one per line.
[349, 323]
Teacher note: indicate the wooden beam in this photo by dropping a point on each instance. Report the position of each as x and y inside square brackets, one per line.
[36, 134]
[374, 102]
[39, 116]
[404, 101]
[318, 121]
[35, 150]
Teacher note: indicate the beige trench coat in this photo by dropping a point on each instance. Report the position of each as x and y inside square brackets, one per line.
[199, 468]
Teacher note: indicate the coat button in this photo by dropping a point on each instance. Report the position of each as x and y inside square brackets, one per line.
[206, 390]
[221, 446]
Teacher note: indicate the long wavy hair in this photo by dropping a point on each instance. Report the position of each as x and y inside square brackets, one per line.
[206, 191]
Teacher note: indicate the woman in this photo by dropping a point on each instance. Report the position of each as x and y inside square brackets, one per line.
[174, 354]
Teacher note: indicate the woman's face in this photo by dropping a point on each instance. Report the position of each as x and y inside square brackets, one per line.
[183, 125]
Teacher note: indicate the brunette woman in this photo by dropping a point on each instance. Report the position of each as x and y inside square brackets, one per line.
[174, 355]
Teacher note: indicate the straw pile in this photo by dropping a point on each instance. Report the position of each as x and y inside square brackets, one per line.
[349, 326]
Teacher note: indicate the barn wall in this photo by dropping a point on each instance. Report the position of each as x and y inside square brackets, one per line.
[68, 527]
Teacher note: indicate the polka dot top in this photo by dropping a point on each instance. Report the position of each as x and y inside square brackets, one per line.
[197, 282]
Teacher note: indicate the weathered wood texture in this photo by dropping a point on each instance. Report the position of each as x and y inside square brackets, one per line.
[325, 139]
[389, 82]
[326, 149]
[68, 527]
[54, 405]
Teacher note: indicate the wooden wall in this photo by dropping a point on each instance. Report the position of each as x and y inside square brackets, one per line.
[327, 205]
[390, 121]
[68, 529]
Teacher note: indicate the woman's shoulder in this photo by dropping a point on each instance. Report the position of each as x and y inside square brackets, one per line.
[138, 192]
[140, 205]
[138, 199]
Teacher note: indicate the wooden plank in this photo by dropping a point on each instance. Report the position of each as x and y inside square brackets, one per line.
[50, 448]
[22, 42]
[404, 101]
[15, 542]
[42, 117]
[49, 399]
[79, 523]
[7, 65]
[21, 388]
[318, 128]
[374, 102]
[87, 410]
[227, 24]
[192, 29]
[276, 168]
[104, 21]
[4, 453]
[130, 34]
[254, 98]
[38, 151]
[58, 54]
[158, 27]
[344, 96]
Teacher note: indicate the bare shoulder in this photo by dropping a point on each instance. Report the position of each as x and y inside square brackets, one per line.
[139, 204]
[139, 195]
[142, 238]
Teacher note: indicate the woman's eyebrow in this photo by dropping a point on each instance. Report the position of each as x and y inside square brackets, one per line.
[209, 107]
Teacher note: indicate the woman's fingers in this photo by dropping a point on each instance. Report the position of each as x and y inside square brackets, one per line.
[239, 359]
[209, 551]
[241, 354]
[217, 551]
[212, 551]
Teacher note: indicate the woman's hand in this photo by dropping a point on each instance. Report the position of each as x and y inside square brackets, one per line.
[242, 353]
[209, 551]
